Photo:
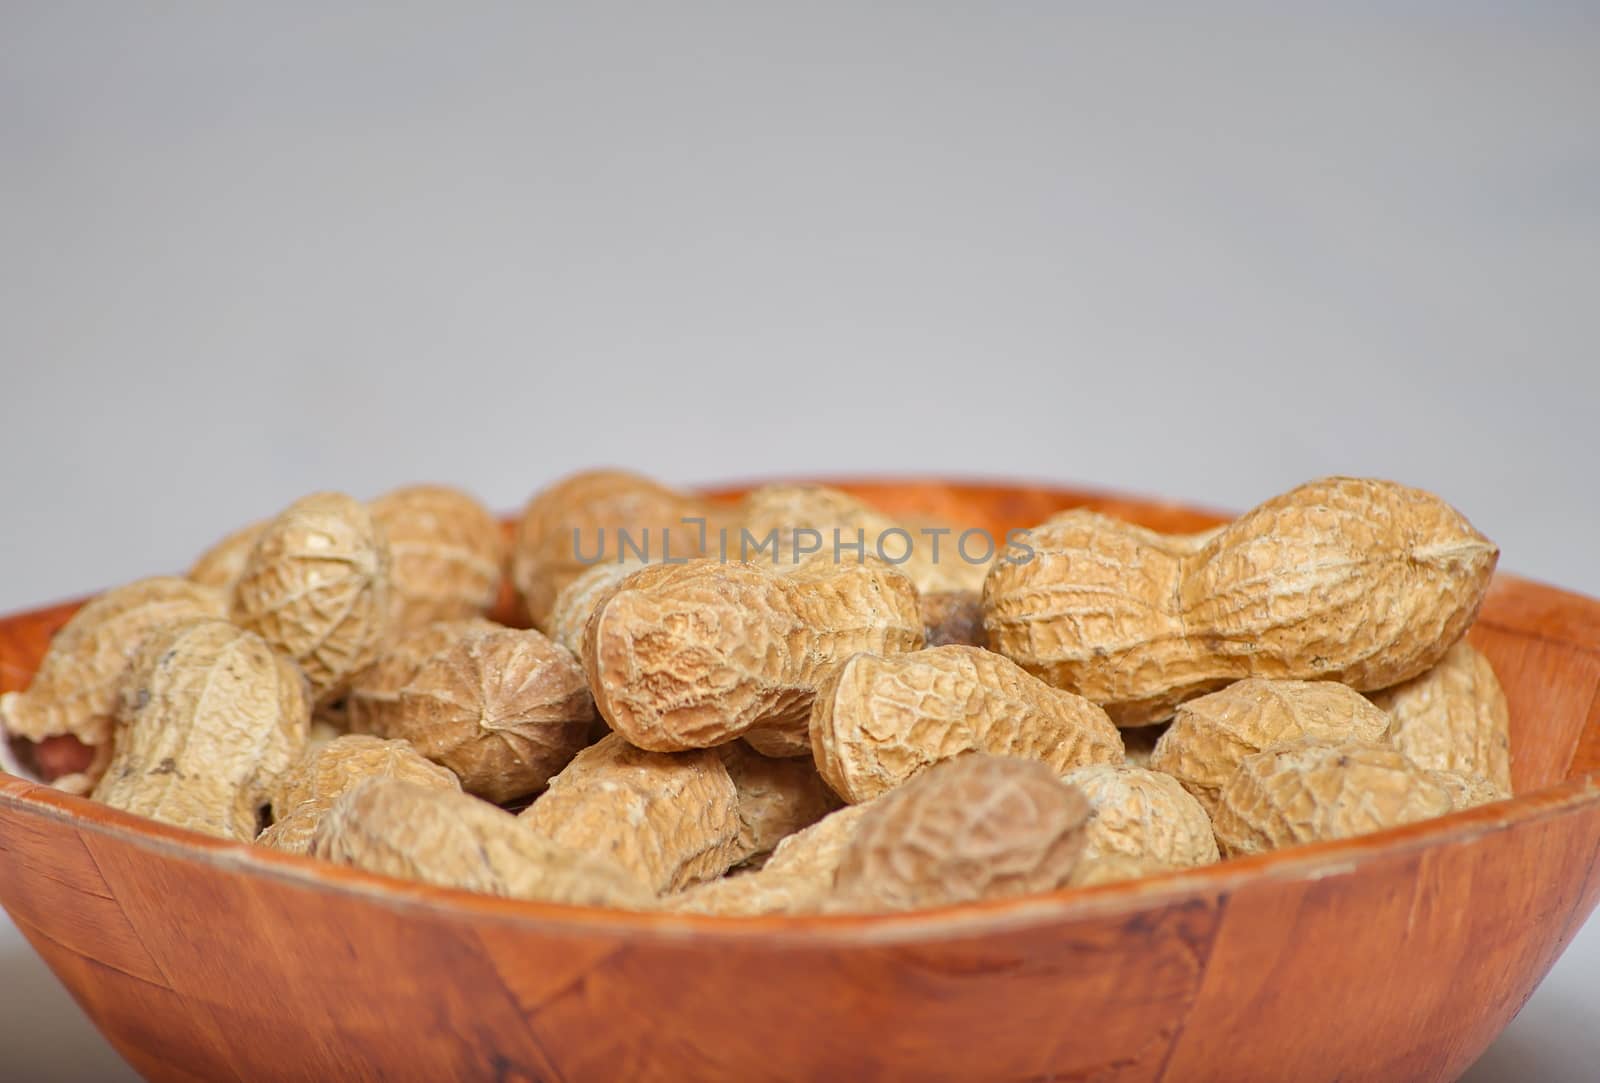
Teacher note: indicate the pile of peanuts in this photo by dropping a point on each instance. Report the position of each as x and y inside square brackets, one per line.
[683, 730]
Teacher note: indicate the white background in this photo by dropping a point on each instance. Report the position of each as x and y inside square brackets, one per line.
[246, 252]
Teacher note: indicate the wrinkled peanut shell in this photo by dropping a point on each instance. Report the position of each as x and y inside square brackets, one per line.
[302, 796]
[668, 819]
[1210, 736]
[1453, 718]
[75, 690]
[700, 654]
[1143, 814]
[316, 588]
[446, 551]
[1312, 790]
[797, 879]
[576, 523]
[397, 828]
[210, 718]
[505, 709]
[879, 721]
[1349, 579]
[976, 827]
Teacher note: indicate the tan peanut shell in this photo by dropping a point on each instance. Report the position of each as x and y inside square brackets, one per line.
[797, 879]
[800, 520]
[1210, 736]
[578, 599]
[503, 708]
[373, 703]
[596, 504]
[322, 774]
[952, 617]
[959, 558]
[777, 797]
[1453, 718]
[699, 654]
[1143, 814]
[446, 551]
[75, 690]
[397, 828]
[219, 567]
[880, 720]
[1313, 790]
[790, 520]
[976, 827]
[668, 819]
[211, 717]
[820, 846]
[316, 588]
[1350, 579]
[1466, 791]
[786, 741]
[1114, 868]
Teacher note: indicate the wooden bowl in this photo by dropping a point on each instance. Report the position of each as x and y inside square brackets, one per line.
[1395, 956]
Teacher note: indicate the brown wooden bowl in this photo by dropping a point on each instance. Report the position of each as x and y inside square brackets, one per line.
[1395, 956]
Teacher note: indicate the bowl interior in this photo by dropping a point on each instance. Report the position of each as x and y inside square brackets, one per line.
[1549, 676]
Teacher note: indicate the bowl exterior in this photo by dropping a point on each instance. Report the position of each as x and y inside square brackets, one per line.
[203, 963]
[1395, 957]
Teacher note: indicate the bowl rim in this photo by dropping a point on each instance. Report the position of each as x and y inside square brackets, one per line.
[1124, 899]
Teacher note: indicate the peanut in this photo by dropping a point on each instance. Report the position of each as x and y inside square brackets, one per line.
[878, 721]
[668, 819]
[1349, 579]
[1467, 791]
[1113, 868]
[577, 520]
[1211, 736]
[777, 797]
[322, 774]
[1453, 718]
[219, 566]
[1143, 814]
[698, 654]
[396, 828]
[316, 588]
[446, 551]
[797, 879]
[503, 708]
[1315, 789]
[783, 513]
[374, 700]
[75, 691]
[569, 616]
[976, 827]
[210, 718]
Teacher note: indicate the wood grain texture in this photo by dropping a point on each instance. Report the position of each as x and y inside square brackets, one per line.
[1398, 956]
